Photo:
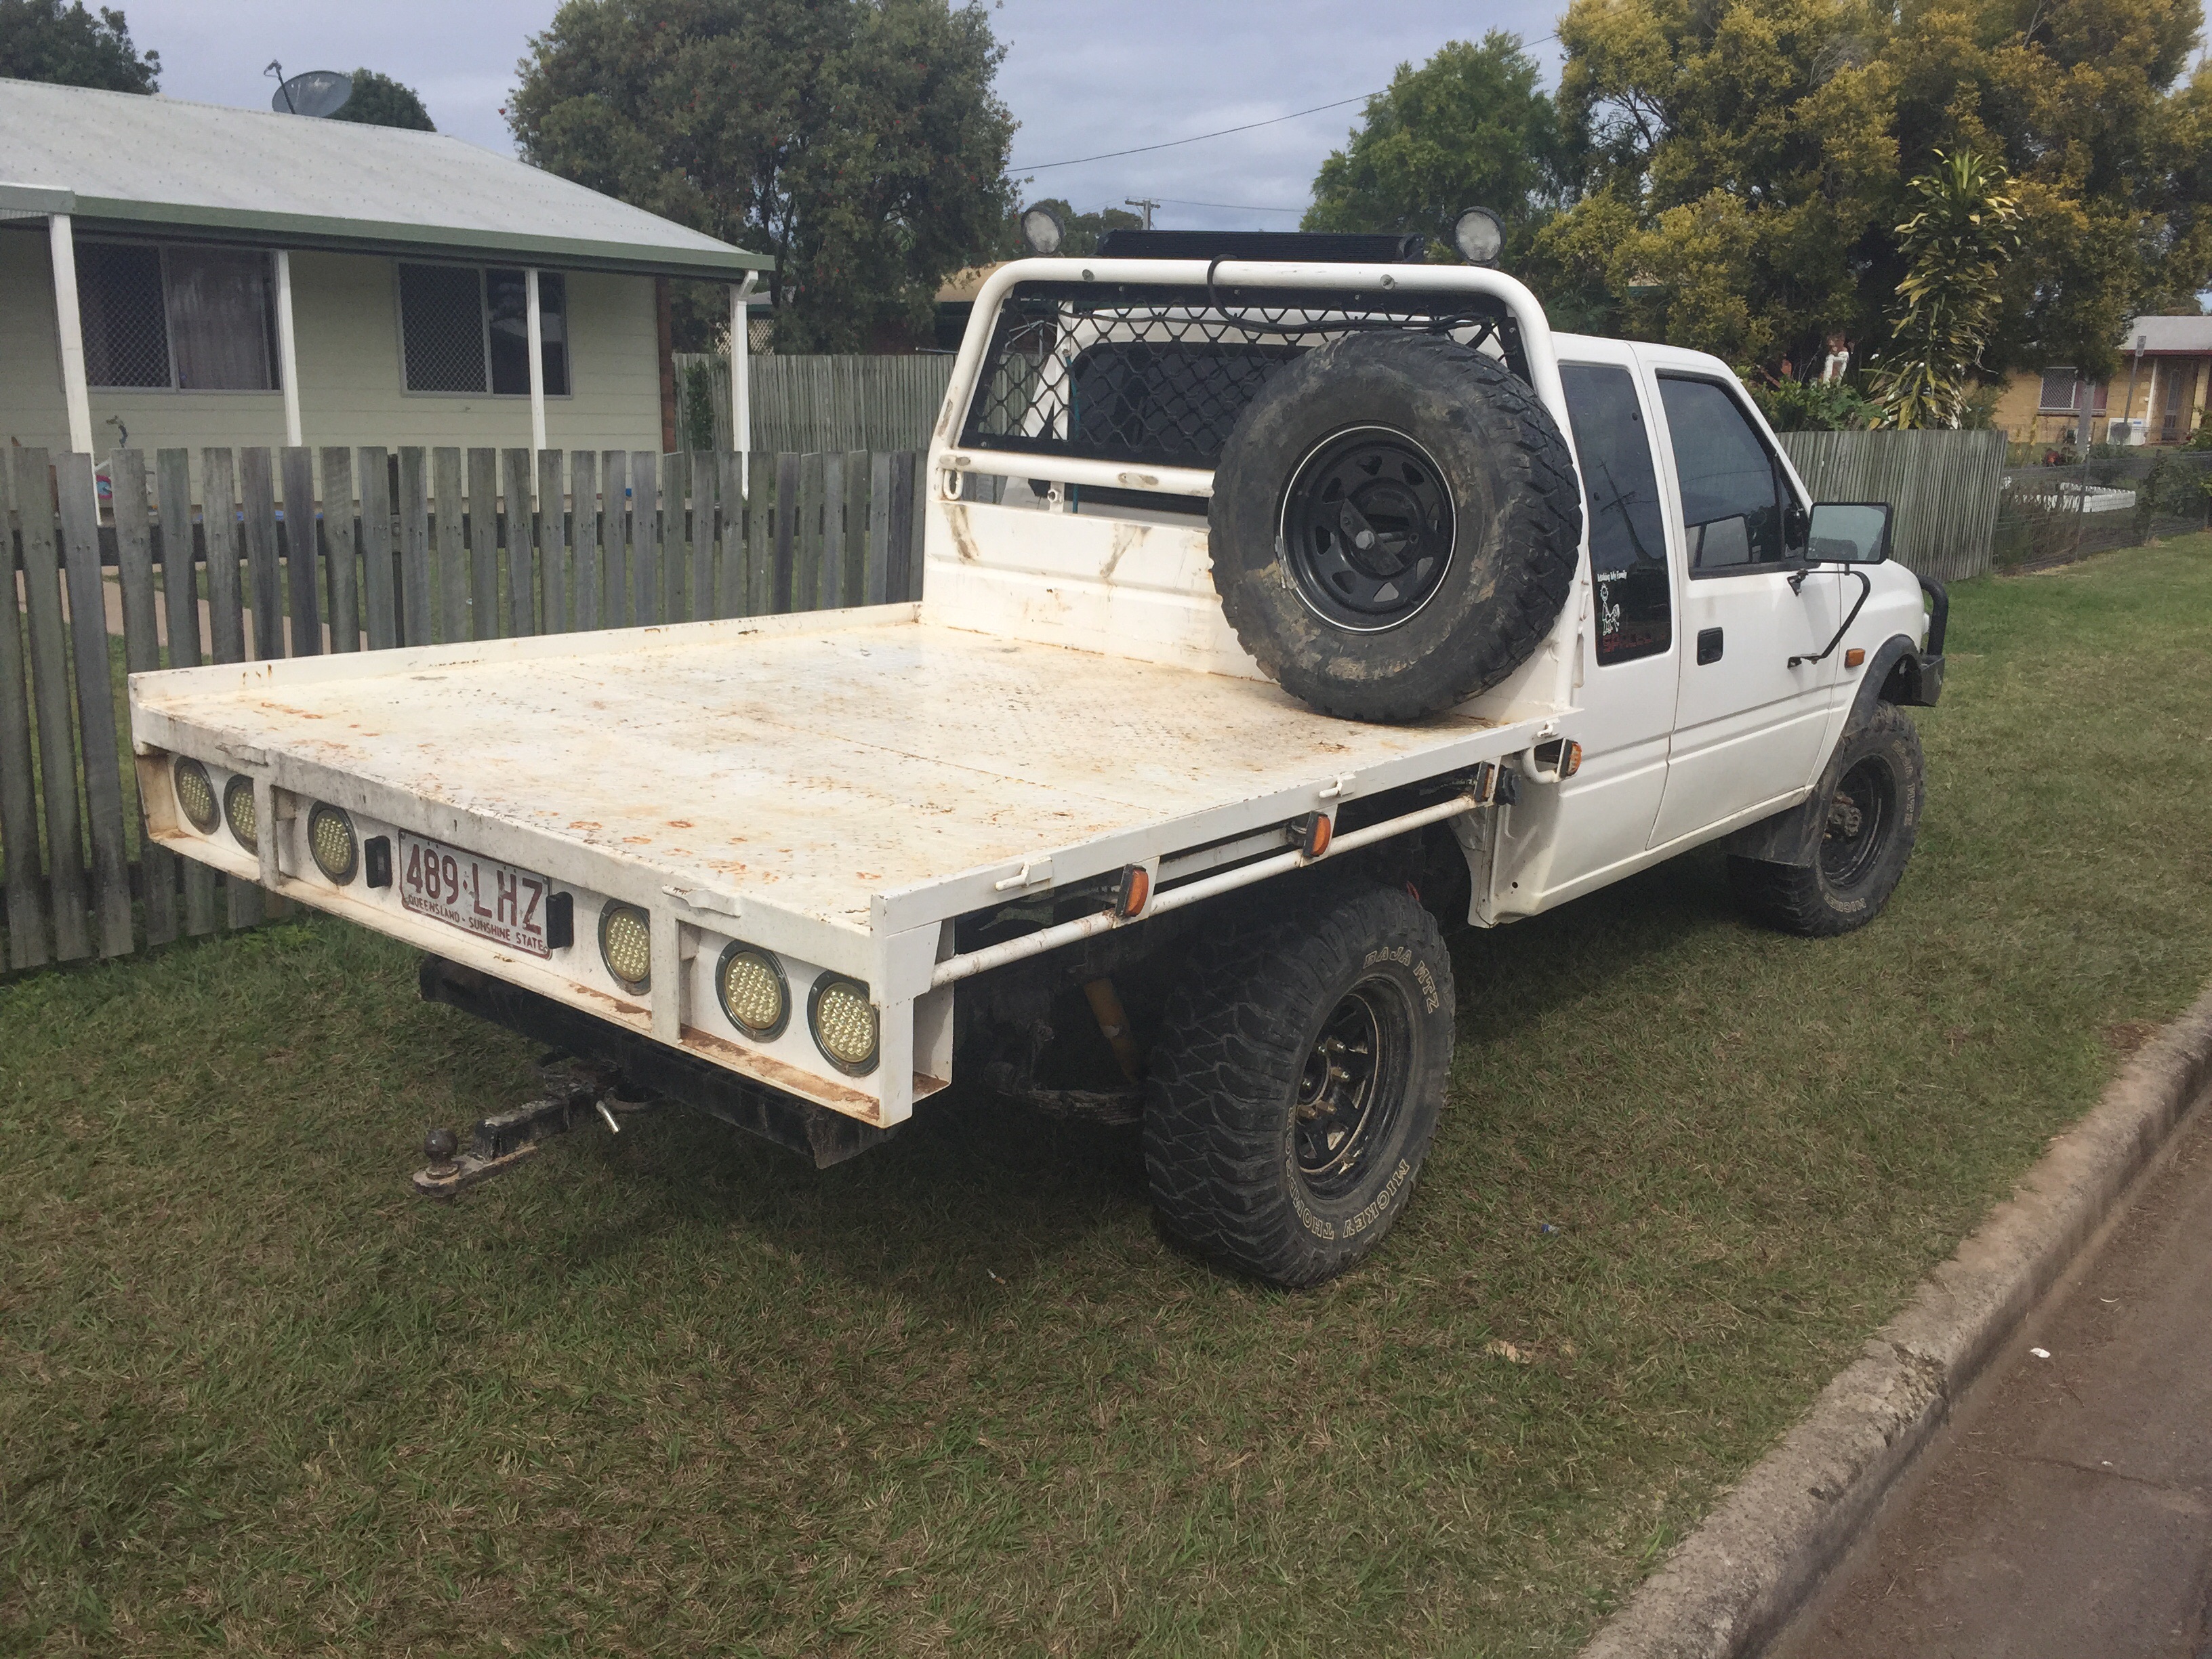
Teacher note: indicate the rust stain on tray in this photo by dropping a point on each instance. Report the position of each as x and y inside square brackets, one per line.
[783, 1074]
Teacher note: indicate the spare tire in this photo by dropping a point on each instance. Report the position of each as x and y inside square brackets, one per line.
[1394, 525]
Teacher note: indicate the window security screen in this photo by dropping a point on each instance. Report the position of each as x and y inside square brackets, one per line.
[127, 331]
[463, 328]
[442, 327]
[190, 319]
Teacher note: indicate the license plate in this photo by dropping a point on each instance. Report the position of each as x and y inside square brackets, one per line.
[479, 894]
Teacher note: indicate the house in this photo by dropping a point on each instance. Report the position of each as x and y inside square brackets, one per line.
[2165, 375]
[955, 298]
[187, 274]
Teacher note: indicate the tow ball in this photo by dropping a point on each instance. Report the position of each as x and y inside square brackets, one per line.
[576, 1092]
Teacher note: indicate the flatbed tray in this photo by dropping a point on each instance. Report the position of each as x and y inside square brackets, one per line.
[836, 766]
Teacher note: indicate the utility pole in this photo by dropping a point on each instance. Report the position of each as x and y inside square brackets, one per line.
[1141, 201]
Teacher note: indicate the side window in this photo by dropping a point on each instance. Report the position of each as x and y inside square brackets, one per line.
[1732, 490]
[1628, 535]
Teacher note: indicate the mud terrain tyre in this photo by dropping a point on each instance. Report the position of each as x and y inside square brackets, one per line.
[1869, 801]
[1394, 525]
[1296, 1083]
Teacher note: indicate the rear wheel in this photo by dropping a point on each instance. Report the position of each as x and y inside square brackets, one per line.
[1869, 802]
[1296, 1083]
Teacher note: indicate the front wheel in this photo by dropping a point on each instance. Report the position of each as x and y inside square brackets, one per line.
[1869, 801]
[1296, 1083]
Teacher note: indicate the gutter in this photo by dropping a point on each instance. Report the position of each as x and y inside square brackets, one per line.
[326, 232]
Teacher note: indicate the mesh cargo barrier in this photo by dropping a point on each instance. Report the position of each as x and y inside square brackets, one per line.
[1157, 375]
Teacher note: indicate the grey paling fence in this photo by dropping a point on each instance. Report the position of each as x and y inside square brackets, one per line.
[806, 403]
[222, 555]
[2053, 513]
[1945, 487]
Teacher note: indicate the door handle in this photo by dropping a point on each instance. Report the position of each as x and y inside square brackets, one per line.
[1709, 645]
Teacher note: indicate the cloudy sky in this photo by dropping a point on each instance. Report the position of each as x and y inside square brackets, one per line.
[1083, 77]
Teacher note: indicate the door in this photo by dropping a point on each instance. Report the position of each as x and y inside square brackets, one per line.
[1748, 726]
[1605, 811]
[2177, 403]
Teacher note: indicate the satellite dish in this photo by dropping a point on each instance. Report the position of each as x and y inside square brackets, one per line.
[318, 92]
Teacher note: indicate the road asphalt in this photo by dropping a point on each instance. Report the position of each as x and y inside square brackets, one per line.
[2065, 1512]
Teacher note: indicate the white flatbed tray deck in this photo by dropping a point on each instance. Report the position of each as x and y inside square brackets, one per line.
[834, 771]
[835, 786]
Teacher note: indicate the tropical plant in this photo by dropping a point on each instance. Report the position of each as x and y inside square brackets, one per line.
[1792, 406]
[1955, 247]
[1750, 159]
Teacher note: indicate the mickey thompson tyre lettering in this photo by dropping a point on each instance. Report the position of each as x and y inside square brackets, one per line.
[1394, 525]
[1296, 1083]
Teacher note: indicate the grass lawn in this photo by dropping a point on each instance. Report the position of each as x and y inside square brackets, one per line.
[677, 1392]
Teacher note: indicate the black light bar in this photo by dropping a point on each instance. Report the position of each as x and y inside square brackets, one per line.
[1327, 248]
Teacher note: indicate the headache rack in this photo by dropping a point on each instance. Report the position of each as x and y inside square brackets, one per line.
[1128, 374]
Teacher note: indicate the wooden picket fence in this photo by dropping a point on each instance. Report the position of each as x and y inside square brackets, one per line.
[1945, 486]
[409, 546]
[800, 402]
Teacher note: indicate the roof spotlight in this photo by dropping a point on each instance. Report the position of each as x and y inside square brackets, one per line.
[1481, 236]
[1042, 229]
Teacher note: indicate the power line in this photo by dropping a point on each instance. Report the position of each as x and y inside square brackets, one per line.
[1171, 144]
[1236, 207]
[1199, 138]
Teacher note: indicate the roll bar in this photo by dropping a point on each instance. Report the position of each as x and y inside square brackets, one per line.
[949, 460]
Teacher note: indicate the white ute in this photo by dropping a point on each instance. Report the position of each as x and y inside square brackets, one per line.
[1055, 826]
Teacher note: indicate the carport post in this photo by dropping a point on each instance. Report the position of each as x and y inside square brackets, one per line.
[536, 323]
[741, 379]
[287, 351]
[70, 326]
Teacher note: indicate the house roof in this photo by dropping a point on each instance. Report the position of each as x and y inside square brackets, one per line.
[2189, 335]
[965, 283]
[120, 161]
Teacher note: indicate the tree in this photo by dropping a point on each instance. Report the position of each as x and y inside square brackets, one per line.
[859, 141]
[378, 100]
[1956, 246]
[1472, 127]
[41, 40]
[1750, 159]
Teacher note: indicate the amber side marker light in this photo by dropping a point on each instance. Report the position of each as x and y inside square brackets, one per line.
[1313, 833]
[1854, 657]
[1563, 755]
[1135, 892]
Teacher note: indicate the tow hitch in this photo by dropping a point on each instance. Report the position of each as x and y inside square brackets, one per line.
[577, 1092]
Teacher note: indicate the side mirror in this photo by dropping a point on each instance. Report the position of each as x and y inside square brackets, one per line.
[1849, 532]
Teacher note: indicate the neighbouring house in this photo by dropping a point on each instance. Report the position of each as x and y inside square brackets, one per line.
[955, 298]
[2158, 395]
[194, 275]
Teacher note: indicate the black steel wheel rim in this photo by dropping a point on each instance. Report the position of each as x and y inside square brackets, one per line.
[1352, 1088]
[1860, 814]
[1368, 528]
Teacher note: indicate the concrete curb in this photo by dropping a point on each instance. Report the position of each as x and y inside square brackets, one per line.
[1732, 1584]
